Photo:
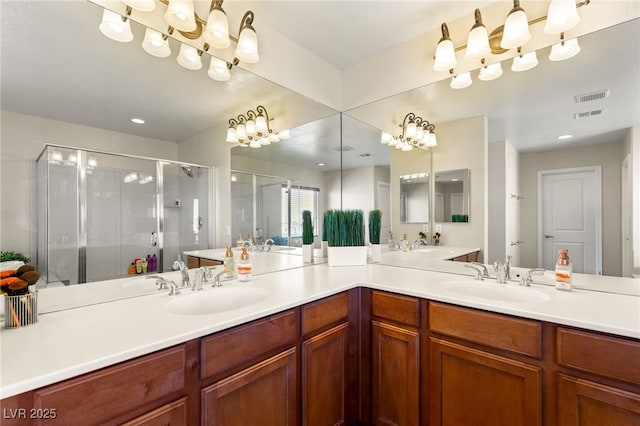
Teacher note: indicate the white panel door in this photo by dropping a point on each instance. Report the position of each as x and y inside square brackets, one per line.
[570, 218]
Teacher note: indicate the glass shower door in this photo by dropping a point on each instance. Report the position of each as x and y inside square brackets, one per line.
[121, 219]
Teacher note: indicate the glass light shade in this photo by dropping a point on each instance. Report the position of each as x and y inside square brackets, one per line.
[273, 137]
[250, 128]
[56, 156]
[189, 57]
[216, 32]
[114, 27]
[72, 158]
[516, 30]
[561, 16]
[254, 144]
[264, 141]
[524, 62]
[393, 142]
[154, 44]
[432, 141]
[419, 133]
[407, 147]
[400, 144]
[445, 56]
[218, 70]
[231, 135]
[564, 50]
[92, 162]
[241, 132]
[141, 5]
[180, 15]
[478, 43]
[385, 138]
[490, 72]
[261, 124]
[247, 49]
[284, 134]
[410, 131]
[461, 81]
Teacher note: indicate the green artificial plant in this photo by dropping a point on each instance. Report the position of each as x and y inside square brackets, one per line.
[345, 228]
[307, 227]
[375, 217]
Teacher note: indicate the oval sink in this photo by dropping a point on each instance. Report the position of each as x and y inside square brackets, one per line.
[498, 292]
[216, 300]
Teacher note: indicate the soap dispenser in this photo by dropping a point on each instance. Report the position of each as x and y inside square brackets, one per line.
[229, 267]
[244, 266]
[564, 270]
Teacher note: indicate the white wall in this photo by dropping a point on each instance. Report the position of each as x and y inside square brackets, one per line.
[513, 205]
[609, 156]
[497, 201]
[22, 138]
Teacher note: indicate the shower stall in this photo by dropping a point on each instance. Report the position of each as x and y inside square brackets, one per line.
[98, 212]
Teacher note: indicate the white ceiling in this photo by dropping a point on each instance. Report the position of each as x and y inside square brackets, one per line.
[56, 64]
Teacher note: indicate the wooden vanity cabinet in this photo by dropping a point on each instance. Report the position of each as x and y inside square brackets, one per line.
[395, 359]
[469, 383]
[599, 382]
[194, 262]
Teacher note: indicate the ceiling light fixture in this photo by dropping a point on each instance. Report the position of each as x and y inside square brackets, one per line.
[563, 137]
[416, 133]
[201, 35]
[253, 129]
[561, 16]
[138, 120]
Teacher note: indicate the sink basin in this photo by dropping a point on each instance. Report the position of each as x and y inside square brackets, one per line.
[498, 292]
[216, 300]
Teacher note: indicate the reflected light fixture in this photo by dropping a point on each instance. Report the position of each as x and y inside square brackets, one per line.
[490, 72]
[116, 27]
[201, 36]
[460, 81]
[416, 133]
[253, 129]
[516, 28]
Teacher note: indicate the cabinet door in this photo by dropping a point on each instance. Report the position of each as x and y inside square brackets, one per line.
[585, 403]
[263, 394]
[324, 377]
[173, 414]
[471, 387]
[395, 375]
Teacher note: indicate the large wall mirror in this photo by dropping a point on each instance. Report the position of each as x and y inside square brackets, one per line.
[518, 119]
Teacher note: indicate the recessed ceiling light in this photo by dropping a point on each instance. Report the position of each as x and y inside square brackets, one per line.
[137, 120]
[320, 164]
[562, 137]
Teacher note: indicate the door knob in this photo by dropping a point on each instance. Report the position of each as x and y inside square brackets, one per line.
[549, 236]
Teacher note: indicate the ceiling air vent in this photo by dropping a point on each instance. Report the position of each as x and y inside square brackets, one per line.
[587, 114]
[593, 96]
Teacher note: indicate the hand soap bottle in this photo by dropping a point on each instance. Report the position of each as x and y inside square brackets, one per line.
[229, 267]
[564, 269]
[244, 266]
[239, 241]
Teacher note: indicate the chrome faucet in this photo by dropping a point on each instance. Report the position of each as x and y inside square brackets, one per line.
[173, 288]
[507, 267]
[216, 279]
[526, 277]
[481, 270]
[179, 265]
[203, 274]
[161, 282]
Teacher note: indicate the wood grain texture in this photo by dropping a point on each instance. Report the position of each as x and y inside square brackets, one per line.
[604, 355]
[394, 307]
[494, 330]
[324, 312]
[172, 414]
[472, 387]
[264, 394]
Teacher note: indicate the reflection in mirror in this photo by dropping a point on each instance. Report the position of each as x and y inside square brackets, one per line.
[414, 198]
[452, 196]
[524, 113]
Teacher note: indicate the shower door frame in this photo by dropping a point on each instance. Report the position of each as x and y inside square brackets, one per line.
[81, 177]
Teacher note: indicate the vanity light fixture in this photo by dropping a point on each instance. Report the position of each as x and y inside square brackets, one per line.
[206, 35]
[561, 16]
[253, 129]
[416, 133]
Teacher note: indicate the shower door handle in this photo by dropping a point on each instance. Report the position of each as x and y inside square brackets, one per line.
[154, 239]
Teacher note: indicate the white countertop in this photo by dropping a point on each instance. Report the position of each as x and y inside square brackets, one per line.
[71, 342]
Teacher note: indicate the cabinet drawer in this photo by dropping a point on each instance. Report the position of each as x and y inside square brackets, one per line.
[209, 262]
[173, 414]
[607, 356]
[494, 330]
[239, 346]
[97, 397]
[401, 309]
[324, 312]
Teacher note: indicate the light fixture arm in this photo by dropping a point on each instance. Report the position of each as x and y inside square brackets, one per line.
[263, 111]
[246, 22]
[410, 116]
